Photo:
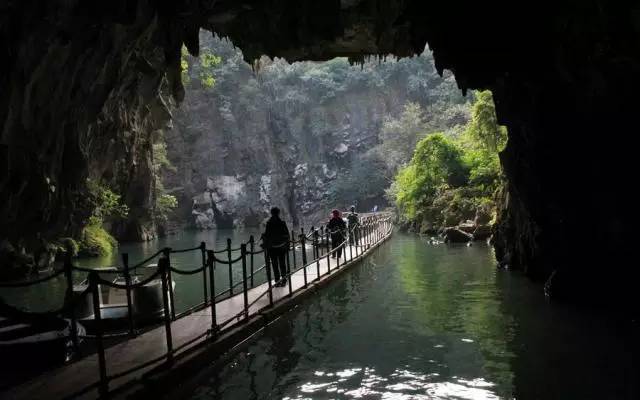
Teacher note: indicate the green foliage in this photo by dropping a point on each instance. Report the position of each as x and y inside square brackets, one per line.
[400, 135]
[366, 180]
[160, 155]
[209, 60]
[96, 242]
[437, 164]
[104, 203]
[165, 204]
[450, 177]
[482, 140]
[184, 67]
[204, 70]
[483, 127]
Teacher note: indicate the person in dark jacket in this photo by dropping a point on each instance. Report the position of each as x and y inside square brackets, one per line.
[354, 221]
[275, 240]
[337, 228]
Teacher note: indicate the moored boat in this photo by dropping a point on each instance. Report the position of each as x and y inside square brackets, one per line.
[146, 301]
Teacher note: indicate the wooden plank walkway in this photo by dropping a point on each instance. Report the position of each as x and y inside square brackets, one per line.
[68, 380]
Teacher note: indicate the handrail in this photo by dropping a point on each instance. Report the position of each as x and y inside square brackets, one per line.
[370, 230]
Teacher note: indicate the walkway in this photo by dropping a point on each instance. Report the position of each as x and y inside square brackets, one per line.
[81, 379]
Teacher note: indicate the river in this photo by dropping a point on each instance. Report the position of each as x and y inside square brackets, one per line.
[412, 321]
[189, 288]
[416, 321]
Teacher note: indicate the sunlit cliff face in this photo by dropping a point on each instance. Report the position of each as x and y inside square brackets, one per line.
[79, 77]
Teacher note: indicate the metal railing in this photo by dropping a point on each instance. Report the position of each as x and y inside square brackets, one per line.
[370, 230]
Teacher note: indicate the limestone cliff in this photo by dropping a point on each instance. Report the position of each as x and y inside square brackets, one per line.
[291, 135]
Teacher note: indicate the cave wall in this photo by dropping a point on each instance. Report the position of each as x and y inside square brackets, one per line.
[564, 77]
[83, 87]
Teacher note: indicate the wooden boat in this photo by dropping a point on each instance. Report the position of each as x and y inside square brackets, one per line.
[146, 300]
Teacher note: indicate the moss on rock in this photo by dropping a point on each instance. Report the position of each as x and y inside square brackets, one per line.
[96, 242]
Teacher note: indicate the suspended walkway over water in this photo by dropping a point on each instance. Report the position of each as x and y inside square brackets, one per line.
[197, 336]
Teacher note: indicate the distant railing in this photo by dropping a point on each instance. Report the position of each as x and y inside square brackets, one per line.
[371, 229]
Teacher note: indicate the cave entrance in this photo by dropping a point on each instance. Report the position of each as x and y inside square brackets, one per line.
[305, 136]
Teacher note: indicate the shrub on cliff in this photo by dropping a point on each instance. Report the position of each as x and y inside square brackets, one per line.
[96, 242]
[449, 180]
[436, 165]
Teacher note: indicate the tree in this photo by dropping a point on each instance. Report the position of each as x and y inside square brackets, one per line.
[450, 177]
[399, 135]
[483, 126]
[482, 140]
[437, 163]
[208, 62]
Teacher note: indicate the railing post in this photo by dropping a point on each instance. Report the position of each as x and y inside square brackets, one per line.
[344, 249]
[203, 251]
[303, 244]
[328, 252]
[252, 249]
[167, 254]
[164, 266]
[127, 279]
[314, 235]
[245, 294]
[230, 267]
[289, 270]
[317, 251]
[212, 292]
[293, 249]
[357, 228]
[68, 273]
[353, 243]
[267, 266]
[103, 387]
[304, 258]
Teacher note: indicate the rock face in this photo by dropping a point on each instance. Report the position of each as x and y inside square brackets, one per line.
[286, 135]
[81, 96]
[455, 235]
[77, 77]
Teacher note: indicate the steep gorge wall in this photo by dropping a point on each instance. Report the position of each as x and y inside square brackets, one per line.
[290, 135]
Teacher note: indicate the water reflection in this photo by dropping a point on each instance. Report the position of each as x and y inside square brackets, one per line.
[401, 384]
[422, 322]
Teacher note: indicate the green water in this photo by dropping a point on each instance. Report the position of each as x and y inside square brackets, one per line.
[416, 321]
[189, 289]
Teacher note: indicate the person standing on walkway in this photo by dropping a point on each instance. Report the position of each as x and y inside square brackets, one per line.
[275, 240]
[353, 221]
[337, 228]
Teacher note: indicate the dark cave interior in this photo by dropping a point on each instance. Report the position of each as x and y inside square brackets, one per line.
[86, 83]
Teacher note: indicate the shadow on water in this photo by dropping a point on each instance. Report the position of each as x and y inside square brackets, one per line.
[416, 321]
